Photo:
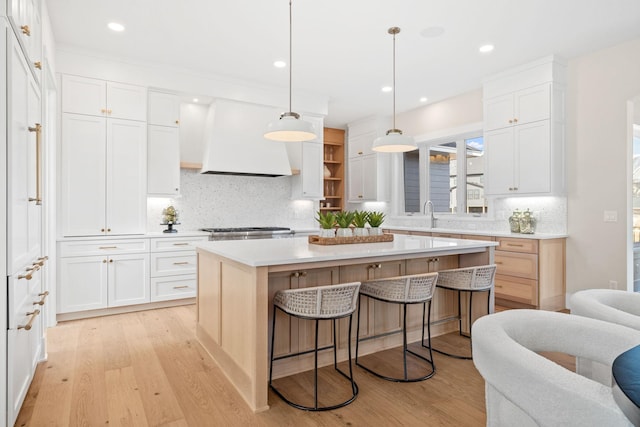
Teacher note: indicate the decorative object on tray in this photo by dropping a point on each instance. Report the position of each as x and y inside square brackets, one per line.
[375, 221]
[344, 219]
[514, 221]
[327, 221]
[170, 218]
[360, 219]
[527, 223]
[318, 240]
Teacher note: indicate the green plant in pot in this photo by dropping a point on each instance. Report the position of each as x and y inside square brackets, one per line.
[327, 221]
[375, 221]
[344, 219]
[360, 219]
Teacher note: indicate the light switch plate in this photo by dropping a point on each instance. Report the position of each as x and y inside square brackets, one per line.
[610, 216]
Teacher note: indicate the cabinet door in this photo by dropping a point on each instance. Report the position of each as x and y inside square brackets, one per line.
[34, 172]
[19, 372]
[361, 145]
[312, 170]
[163, 161]
[83, 175]
[355, 180]
[533, 104]
[370, 177]
[128, 279]
[126, 101]
[126, 177]
[498, 112]
[82, 283]
[500, 154]
[18, 157]
[533, 158]
[82, 95]
[163, 109]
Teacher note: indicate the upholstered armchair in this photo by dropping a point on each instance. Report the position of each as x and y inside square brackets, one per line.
[524, 388]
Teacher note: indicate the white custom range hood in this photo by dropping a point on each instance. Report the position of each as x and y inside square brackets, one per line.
[235, 144]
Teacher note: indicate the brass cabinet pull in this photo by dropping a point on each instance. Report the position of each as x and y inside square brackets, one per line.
[43, 258]
[510, 121]
[108, 230]
[180, 287]
[103, 110]
[498, 286]
[104, 261]
[38, 65]
[498, 262]
[108, 247]
[111, 261]
[360, 196]
[299, 274]
[27, 276]
[181, 263]
[515, 245]
[375, 266]
[177, 122]
[109, 111]
[515, 120]
[44, 296]
[180, 244]
[33, 315]
[26, 30]
[38, 130]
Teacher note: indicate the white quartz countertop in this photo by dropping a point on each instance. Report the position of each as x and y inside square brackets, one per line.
[297, 250]
[151, 234]
[539, 236]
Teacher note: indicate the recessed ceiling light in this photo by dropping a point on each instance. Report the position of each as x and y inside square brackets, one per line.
[279, 64]
[195, 100]
[424, 99]
[432, 32]
[486, 48]
[387, 88]
[114, 26]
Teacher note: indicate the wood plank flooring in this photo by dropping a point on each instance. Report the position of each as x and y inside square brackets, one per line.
[147, 369]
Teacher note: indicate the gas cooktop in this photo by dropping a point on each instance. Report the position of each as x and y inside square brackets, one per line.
[244, 229]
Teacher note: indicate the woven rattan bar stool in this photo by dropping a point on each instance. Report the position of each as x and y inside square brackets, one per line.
[471, 280]
[404, 290]
[330, 302]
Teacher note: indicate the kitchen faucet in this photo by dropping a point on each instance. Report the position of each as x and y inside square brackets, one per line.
[432, 218]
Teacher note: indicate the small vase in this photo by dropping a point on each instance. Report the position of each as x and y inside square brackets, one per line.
[327, 232]
[327, 172]
[375, 231]
[361, 231]
[344, 232]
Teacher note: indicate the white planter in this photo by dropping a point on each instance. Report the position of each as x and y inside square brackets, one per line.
[344, 232]
[375, 231]
[327, 232]
[361, 231]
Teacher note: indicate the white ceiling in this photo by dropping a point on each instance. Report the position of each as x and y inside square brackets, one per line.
[341, 48]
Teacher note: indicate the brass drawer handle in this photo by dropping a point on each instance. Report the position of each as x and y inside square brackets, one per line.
[181, 287]
[498, 262]
[375, 266]
[44, 296]
[33, 315]
[27, 276]
[299, 274]
[498, 286]
[38, 65]
[26, 30]
[181, 263]
[108, 247]
[181, 244]
[515, 245]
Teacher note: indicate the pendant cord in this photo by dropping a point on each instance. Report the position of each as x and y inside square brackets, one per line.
[394, 80]
[290, 54]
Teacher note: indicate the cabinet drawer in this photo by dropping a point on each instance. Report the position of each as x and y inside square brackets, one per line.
[174, 287]
[172, 263]
[447, 235]
[516, 289]
[171, 244]
[517, 264]
[102, 247]
[518, 245]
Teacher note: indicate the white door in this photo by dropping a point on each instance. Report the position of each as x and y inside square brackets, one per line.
[82, 283]
[164, 109]
[533, 104]
[128, 279]
[499, 147]
[82, 95]
[126, 177]
[83, 175]
[533, 142]
[370, 177]
[163, 161]
[312, 170]
[499, 112]
[126, 101]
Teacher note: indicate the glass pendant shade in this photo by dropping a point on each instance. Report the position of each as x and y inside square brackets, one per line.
[290, 128]
[394, 142]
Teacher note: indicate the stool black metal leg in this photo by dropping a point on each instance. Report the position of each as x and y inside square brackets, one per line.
[273, 339]
[404, 339]
[315, 370]
[470, 312]
[459, 315]
[358, 327]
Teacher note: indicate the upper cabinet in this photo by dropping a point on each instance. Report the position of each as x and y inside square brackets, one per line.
[164, 109]
[368, 171]
[82, 95]
[24, 16]
[163, 145]
[305, 159]
[524, 130]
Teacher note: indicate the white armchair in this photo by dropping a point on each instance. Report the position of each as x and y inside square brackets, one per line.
[610, 305]
[526, 389]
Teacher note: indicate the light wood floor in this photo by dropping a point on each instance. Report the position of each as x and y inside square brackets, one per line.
[147, 368]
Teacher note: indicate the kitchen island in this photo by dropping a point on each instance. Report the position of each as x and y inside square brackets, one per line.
[237, 280]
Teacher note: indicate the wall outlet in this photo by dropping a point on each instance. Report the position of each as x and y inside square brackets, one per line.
[610, 216]
[613, 284]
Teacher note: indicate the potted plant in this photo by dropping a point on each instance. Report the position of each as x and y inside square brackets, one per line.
[360, 219]
[326, 220]
[344, 219]
[375, 221]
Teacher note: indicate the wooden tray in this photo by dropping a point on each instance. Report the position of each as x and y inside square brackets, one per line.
[317, 240]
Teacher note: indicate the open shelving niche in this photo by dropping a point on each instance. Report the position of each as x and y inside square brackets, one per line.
[333, 154]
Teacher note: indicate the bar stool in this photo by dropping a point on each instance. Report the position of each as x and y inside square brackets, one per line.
[317, 303]
[471, 280]
[404, 290]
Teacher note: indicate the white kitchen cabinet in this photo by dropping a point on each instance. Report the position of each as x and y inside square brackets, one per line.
[173, 267]
[103, 176]
[163, 161]
[524, 130]
[23, 114]
[163, 109]
[103, 273]
[25, 19]
[94, 97]
[306, 160]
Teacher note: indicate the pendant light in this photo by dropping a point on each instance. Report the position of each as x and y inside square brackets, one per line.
[394, 141]
[289, 127]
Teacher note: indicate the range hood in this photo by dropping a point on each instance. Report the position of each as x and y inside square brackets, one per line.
[235, 144]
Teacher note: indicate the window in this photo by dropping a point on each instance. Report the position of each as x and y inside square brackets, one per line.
[453, 176]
